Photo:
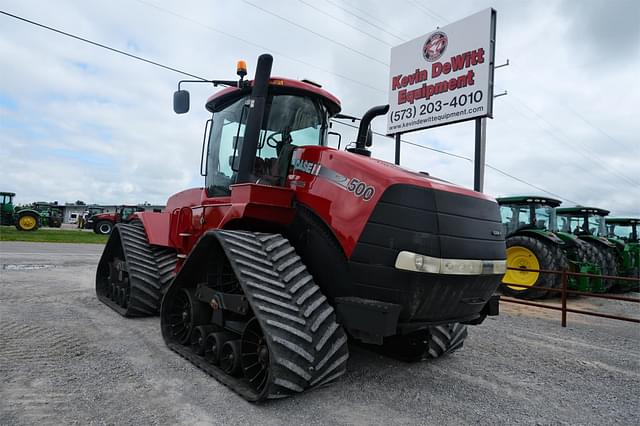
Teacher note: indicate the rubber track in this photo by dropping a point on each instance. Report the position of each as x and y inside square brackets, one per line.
[146, 276]
[307, 347]
[444, 339]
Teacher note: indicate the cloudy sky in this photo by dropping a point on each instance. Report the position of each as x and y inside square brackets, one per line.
[80, 122]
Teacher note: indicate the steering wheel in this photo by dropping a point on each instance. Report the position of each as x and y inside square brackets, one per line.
[272, 142]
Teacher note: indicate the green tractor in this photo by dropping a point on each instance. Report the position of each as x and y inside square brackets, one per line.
[31, 217]
[588, 224]
[624, 233]
[6, 208]
[24, 219]
[529, 224]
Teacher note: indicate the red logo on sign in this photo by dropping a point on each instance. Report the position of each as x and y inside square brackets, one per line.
[435, 46]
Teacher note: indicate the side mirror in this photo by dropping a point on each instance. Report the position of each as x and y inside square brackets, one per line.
[181, 101]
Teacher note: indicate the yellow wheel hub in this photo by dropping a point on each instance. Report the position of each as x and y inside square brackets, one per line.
[521, 258]
[27, 222]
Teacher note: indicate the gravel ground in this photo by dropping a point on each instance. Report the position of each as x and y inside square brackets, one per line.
[67, 359]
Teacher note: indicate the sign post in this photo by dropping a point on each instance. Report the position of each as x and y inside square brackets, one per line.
[478, 159]
[445, 77]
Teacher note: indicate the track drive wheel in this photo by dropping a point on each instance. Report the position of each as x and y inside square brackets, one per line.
[526, 252]
[27, 222]
[255, 357]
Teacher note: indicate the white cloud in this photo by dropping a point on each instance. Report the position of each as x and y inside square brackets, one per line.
[93, 125]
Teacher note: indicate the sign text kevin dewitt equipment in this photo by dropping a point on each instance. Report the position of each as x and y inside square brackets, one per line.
[443, 77]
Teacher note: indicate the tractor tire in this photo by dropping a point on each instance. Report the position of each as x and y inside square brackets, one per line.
[587, 252]
[129, 278]
[421, 345]
[287, 337]
[532, 253]
[104, 227]
[27, 222]
[610, 267]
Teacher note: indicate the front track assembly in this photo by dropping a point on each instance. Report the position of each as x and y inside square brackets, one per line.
[244, 309]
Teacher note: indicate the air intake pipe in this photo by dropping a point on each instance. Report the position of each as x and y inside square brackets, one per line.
[256, 108]
[364, 131]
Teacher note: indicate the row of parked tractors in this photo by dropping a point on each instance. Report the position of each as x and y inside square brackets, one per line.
[542, 236]
[31, 217]
[41, 214]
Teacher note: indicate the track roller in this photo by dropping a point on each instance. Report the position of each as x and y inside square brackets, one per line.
[213, 346]
[199, 338]
[230, 357]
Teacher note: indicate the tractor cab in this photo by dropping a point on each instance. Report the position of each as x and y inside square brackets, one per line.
[528, 212]
[296, 114]
[582, 221]
[125, 212]
[625, 229]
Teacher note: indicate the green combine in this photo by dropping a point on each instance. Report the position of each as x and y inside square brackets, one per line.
[624, 233]
[588, 224]
[532, 243]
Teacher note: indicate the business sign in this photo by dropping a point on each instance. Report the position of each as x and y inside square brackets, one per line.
[443, 77]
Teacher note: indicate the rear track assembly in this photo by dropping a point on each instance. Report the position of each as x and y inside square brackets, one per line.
[132, 274]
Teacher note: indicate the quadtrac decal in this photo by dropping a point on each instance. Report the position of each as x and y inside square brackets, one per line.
[355, 186]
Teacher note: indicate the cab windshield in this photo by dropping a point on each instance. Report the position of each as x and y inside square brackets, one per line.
[624, 232]
[515, 217]
[291, 121]
[597, 225]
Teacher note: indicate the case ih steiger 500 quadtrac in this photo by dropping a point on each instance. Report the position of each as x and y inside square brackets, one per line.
[293, 245]
[533, 243]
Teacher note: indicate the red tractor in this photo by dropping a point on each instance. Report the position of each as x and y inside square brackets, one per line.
[103, 223]
[292, 246]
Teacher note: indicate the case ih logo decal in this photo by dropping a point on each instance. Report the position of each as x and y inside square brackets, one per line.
[435, 46]
[353, 185]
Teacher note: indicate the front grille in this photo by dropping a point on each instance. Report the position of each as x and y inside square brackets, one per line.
[430, 222]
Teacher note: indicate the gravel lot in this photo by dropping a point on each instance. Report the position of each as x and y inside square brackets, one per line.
[67, 359]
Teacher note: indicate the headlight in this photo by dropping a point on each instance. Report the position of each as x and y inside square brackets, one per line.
[409, 261]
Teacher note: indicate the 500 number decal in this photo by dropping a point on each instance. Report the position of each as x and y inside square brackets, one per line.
[361, 189]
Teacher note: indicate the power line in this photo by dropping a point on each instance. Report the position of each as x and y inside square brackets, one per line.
[295, 24]
[344, 22]
[461, 157]
[581, 149]
[428, 11]
[103, 46]
[262, 48]
[362, 11]
[201, 78]
[431, 13]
